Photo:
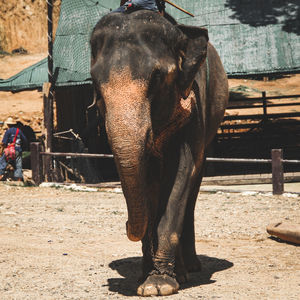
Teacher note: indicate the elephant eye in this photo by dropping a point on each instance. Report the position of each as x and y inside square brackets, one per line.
[155, 82]
[156, 75]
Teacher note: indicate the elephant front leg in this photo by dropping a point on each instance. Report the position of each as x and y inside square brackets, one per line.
[162, 280]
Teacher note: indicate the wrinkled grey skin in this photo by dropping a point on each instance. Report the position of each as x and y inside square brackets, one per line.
[161, 108]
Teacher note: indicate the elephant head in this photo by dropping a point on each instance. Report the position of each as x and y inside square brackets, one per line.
[143, 67]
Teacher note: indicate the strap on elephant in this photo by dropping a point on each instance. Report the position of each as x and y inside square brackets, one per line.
[207, 75]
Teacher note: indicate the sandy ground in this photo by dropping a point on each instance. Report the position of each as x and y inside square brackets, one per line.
[58, 244]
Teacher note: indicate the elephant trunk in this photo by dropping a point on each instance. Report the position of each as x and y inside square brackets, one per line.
[132, 179]
[130, 159]
[128, 126]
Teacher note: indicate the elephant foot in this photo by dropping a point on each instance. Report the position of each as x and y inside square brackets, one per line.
[158, 285]
[193, 264]
[182, 277]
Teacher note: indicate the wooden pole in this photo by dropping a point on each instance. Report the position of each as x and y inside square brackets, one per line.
[48, 121]
[50, 90]
[48, 95]
[178, 7]
[50, 39]
[36, 163]
[277, 172]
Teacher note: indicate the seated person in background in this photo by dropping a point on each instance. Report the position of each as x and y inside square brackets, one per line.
[9, 138]
[29, 134]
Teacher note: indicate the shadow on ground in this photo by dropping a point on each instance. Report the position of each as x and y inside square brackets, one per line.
[278, 240]
[130, 269]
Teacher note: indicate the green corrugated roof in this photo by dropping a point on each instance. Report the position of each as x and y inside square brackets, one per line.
[251, 36]
[32, 77]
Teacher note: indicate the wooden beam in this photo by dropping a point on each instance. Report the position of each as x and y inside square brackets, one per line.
[260, 117]
[72, 154]
[267, 98]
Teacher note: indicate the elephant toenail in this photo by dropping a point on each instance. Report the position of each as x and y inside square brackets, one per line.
[140, 291]
[166, 290]
[150, 290]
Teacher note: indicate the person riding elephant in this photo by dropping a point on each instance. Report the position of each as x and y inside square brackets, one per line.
[131, 5]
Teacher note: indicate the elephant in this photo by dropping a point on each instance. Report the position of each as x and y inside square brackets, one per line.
[162, 91]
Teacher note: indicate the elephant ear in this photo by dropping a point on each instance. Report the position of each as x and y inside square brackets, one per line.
[193, 56]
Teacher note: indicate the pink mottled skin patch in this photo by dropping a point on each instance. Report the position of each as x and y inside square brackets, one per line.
[123, 92]
[180, 117]
[126, 105]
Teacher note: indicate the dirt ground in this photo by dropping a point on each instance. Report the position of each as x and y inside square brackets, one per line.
[61, 244]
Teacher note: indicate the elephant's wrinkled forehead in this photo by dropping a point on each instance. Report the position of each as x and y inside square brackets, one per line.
[135, 22]
[140, 41]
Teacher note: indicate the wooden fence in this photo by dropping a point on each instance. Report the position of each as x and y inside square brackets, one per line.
[259, 102]
[38, 171]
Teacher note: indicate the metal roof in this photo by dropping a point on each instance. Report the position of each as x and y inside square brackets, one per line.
[32, 77]
[251, 36]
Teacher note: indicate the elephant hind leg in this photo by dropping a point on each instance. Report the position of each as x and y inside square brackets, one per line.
[192, 263]
[182, 275]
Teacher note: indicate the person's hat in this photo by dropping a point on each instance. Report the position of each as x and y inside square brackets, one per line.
[10, 121]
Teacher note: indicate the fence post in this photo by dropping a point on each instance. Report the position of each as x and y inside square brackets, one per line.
[36, 163]
[264, 106]
[277, 172]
